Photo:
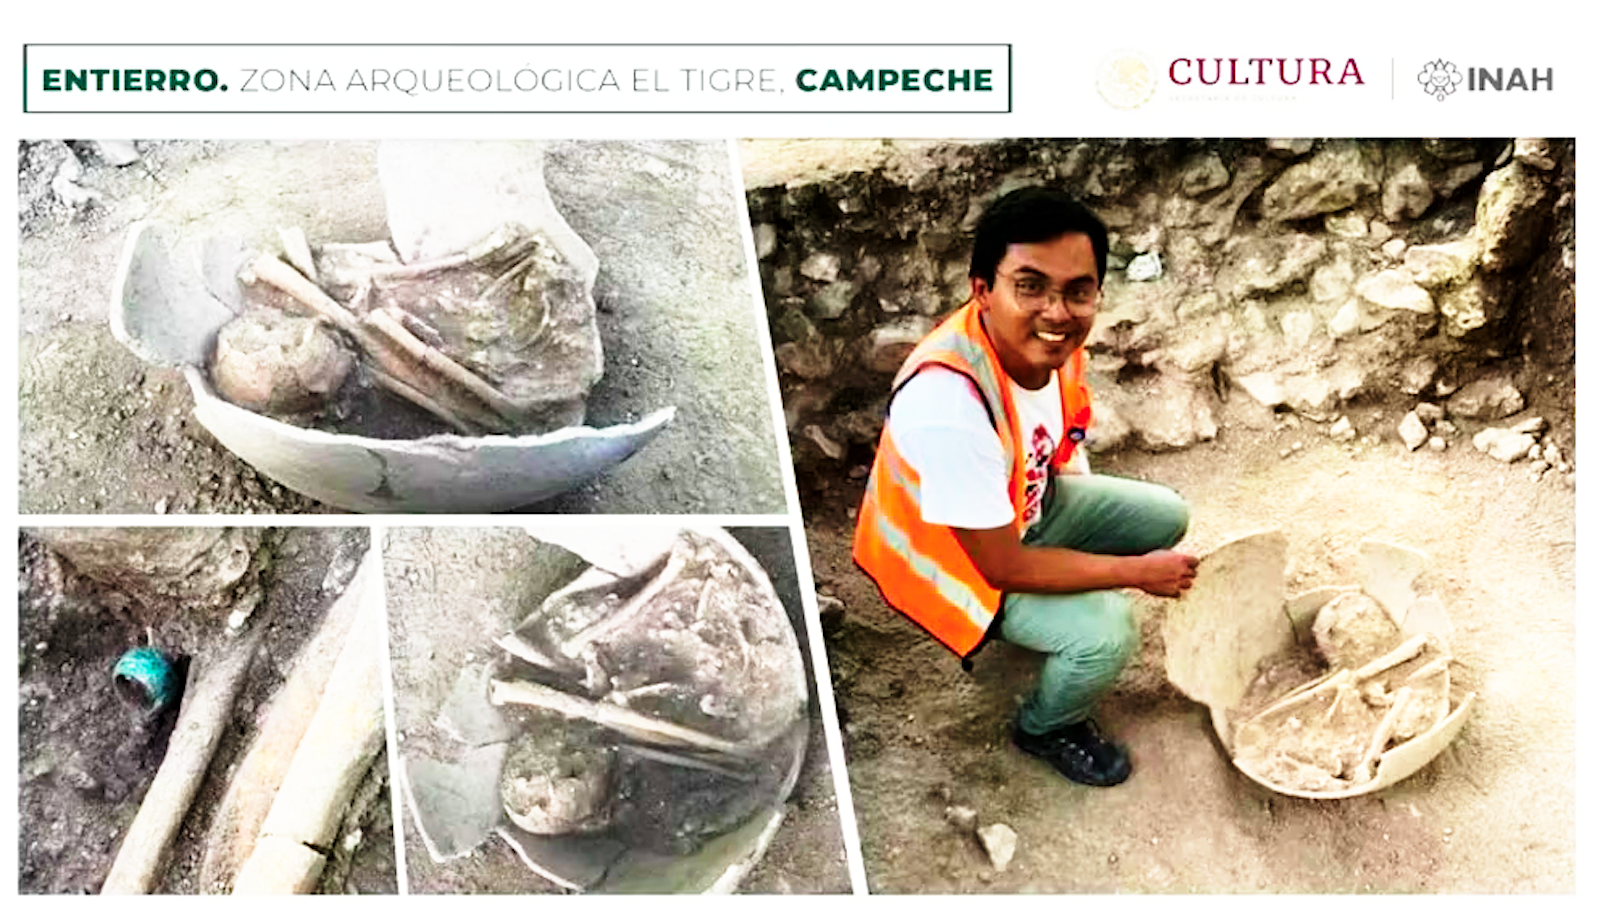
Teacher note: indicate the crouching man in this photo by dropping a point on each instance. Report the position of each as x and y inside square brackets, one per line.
[981, 517]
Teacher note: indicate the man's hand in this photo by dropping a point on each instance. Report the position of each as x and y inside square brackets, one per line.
[1166, 573]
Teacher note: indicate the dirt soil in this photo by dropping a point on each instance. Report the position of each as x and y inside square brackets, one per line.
[1495, 813]
[86, 761]
[505, 573]
[102, 431]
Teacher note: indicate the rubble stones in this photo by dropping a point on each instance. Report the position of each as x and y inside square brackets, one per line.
[1412, 432]
[1503, 443]
[1394, 289]
[1204, 173]
[1342, 430]
[1533, 152]
[1511, 214]
[1406, 194]
[1266, 265]
[1487, 398]
[1429, 413]
[1145, 267]
[1255, 280]
[1441, 265]
[1332, 180]
[964, 818]
[1417, 374]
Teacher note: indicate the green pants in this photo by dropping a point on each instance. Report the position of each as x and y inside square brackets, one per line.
[1087, 637]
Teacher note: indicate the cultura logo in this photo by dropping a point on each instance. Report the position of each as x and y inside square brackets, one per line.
[1126, 80]
[1439, 79]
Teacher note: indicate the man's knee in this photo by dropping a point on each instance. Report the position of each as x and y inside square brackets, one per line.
[1172, 511]
[1116, 637]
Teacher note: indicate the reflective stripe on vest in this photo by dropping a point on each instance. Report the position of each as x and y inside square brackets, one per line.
[921, 569]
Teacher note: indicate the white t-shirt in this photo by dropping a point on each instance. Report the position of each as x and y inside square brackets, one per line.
[940, 425]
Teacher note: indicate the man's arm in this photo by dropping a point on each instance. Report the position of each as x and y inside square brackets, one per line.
[1011, 566]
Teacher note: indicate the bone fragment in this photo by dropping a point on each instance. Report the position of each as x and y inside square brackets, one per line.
[443, 364]
[616, 620]
[339, 745]
[1403, 653]
[207, 711]
[398, 357]
[1380, 738]
[610, 715]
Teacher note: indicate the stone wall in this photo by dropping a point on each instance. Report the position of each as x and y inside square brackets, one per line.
[1303, 274]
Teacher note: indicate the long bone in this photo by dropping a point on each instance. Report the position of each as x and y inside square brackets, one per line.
[617, 718]
[571, 646]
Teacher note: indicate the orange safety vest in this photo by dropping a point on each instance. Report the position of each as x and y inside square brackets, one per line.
[920, 568]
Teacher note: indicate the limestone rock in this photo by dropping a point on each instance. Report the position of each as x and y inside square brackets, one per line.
[124, 153]
[1350, 224]
[1000, 842]
[1394, 248]
[1469, 306]
[766, 238]
[1145, 267]
[821, 267]
[1343, 430]
[1430, 413]
[1406, 193]
[1203, 173]
[1533, 152]
[1265, 265]
[1164, 413]
[1534, 425]
[1108, 430]
[1216, 216]
[890, 343]
[1289, 146]
[272, 362]
[1437, 444]
[811, 360]
[1504, 444]
[186, 564]
[1334, 179]
[1416, 374]
[1412, 432]
[1494, 397]
[1333, 281]
[1511, 216]
[832, 301]
[1346, 321]
[1442, 265]
[1394, 289]
[1456, 176]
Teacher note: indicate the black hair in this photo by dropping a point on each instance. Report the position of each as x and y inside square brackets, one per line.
[1032, 215]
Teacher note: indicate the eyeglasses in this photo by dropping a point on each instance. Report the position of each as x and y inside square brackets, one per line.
[1035, 294]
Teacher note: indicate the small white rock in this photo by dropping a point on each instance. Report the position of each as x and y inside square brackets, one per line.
[1436, 443]
[1000, 842]
[1412, 432]
[1342, 430]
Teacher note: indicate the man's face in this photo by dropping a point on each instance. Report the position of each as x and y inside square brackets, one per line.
[1034, 335]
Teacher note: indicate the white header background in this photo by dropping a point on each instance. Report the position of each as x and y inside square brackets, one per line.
[1057, 49]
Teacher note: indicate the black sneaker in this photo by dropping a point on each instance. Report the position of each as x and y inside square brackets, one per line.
[1079, 752]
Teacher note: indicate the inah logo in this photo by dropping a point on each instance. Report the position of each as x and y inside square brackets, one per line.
[1126, 80]
[1439, 78]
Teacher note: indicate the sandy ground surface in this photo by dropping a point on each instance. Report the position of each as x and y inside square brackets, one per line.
[102, 431]
[505, 572]
[1495, 813]
[86, 763]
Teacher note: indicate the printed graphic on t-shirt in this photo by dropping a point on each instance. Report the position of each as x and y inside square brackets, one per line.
[1041, 448]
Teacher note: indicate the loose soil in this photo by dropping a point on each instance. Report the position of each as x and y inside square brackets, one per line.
[102, 431]
[86, 762]
[1496, 812]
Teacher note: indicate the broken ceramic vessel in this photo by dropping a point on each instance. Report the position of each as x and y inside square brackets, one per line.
[641, 729]
[1385, 708]
[485, 267]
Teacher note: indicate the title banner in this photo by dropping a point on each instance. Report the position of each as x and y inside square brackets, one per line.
[517, 78]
